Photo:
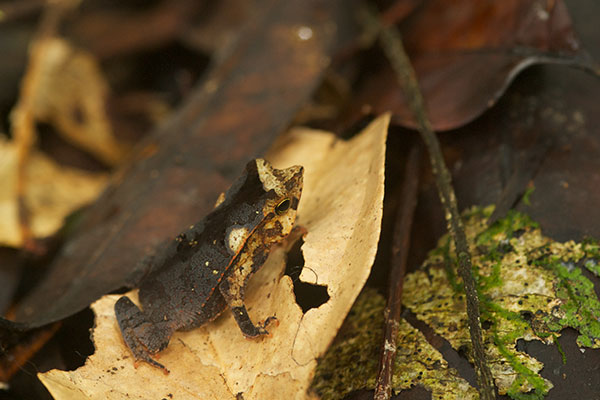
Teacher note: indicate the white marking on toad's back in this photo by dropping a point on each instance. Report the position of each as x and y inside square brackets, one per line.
[236, 239]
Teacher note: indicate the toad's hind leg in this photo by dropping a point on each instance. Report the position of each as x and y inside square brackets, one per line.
[142, 336]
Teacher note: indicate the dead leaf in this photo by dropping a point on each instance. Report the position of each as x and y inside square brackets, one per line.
[52, 192]
[546, 103]
[530, 288]
[417, 361]
[465, 56]
[341, 207]
[232, 117]
[110, 31]
[70, 94]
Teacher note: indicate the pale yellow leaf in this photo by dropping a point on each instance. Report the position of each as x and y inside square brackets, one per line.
[51, 193]
[70, 93]
[341, 207]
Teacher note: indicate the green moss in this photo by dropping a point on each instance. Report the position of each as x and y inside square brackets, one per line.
[492, 280]
[592, 254]
[450, 266]
[527, 195]
[530, 288]
[593, 266]
[580, 305]
[540, 387]
[359, 344]
[505, 228]
[559, 348]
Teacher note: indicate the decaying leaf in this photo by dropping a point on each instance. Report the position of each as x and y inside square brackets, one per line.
[189, 160]
[69, 92]
[417, 362]
[530, 288]
[466, 63]
[52, 192]
[341, 209]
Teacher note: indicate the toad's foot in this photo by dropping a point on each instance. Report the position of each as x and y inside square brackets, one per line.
[143, 338]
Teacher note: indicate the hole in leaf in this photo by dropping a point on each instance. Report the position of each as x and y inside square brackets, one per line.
[74, 339]
[308, 295]
[518, 233]
[527, 316]
[504, 247]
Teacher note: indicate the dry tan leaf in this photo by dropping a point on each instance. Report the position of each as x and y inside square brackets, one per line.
[69, 92]
[52, 192]
[341, 208]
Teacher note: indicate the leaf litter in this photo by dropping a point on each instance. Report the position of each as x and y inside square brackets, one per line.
[341, 208]
[531, 288]
[64, 88]
[52, 192]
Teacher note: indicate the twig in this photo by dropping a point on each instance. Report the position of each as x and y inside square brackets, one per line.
[391, 42]
[400, 247]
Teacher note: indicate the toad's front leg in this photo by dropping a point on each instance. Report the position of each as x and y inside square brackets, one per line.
[232, 288]
[143, 337]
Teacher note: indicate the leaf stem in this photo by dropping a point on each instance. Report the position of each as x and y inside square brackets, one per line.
[400, 246]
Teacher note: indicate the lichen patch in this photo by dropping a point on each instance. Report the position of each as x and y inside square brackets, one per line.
[530, 288]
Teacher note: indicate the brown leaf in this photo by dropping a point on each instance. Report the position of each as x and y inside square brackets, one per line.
[466, 55]
[111, 30]
[341, 207]
[548, 104]
[247, 99]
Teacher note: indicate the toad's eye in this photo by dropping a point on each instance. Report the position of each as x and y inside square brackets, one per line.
[283, 206]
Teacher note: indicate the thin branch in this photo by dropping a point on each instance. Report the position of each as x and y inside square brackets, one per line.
[391, 42]
[400, 247]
